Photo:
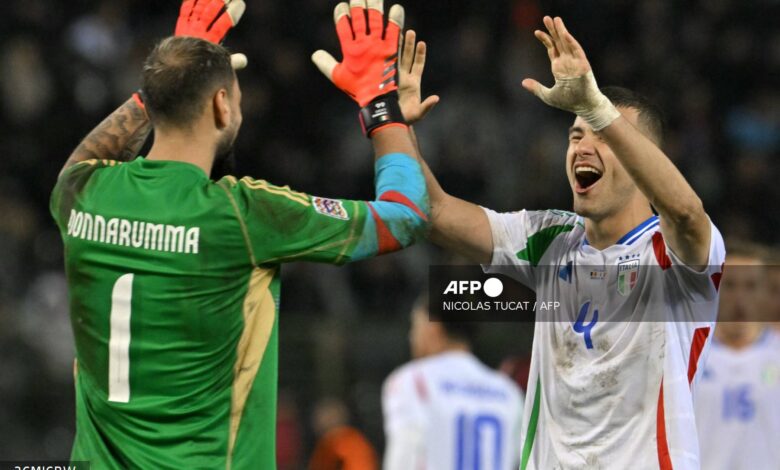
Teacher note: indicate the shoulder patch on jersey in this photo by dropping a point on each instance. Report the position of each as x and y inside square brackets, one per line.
[330, 207]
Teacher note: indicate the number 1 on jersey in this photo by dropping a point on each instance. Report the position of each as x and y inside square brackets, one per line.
[119, 341]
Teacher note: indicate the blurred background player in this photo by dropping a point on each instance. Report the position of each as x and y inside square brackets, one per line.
[174, 278]
[611, 370]
[445, 409]
[737, 399]
[340, 446]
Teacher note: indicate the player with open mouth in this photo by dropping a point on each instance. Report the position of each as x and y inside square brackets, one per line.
[612, 370]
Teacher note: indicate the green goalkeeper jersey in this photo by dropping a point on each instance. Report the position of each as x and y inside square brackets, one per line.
[174, 299]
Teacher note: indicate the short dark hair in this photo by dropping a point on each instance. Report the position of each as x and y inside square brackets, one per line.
[179, 74]
[460, 331]
[650, 114]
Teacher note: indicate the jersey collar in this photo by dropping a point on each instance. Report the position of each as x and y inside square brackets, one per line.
[168, 165]
[635, 233]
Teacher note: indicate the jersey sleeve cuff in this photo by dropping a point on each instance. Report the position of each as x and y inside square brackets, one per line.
[499, 237]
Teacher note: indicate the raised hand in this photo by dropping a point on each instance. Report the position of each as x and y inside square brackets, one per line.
[369, 50]
[575, 87]
[410, 72]
[211, 20]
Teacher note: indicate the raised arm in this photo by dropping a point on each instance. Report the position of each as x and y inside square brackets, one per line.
[119, 137]
[367, 72]
[122, 134]
[283, 225]
[456, 225]
[684, 223]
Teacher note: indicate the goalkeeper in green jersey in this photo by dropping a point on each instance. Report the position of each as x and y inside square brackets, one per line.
[174, 278]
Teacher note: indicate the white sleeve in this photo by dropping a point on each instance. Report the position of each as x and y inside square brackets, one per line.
[404, 422]
[700, 286]
[521, 241]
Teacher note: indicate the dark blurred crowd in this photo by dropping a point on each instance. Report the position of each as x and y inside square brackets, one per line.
[712, 64]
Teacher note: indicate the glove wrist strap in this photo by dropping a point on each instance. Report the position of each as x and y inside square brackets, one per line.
[380, 112]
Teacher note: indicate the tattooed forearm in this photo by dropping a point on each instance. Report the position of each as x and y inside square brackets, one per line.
[119, 137]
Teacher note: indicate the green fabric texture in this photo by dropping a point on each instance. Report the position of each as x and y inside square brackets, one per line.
[191, 246]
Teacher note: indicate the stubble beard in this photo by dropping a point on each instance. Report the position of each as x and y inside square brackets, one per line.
[225, 158]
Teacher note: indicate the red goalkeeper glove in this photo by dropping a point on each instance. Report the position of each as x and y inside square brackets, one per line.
[211, 20]
[370, 51]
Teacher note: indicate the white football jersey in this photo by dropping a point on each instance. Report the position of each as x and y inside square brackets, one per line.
[738, 406]
[451, 412]
[613, 367]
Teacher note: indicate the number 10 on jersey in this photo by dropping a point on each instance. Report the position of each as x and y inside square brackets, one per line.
[473, 440]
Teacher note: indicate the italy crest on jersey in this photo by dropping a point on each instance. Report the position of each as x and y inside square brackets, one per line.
[628, 273]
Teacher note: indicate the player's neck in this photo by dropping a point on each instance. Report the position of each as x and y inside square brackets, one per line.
[183, 147]
[738, 335]
[605, 232]
[451, 346]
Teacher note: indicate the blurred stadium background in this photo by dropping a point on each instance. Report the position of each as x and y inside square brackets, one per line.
[712, 64]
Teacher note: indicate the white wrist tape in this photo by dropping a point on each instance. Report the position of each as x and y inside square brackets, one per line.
[599, 111]
[581, 96]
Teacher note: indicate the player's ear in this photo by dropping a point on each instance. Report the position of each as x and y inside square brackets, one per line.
[221, 105]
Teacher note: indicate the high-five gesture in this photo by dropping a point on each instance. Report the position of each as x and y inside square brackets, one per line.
[575, 87]
[370, 51]
[368, 70]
